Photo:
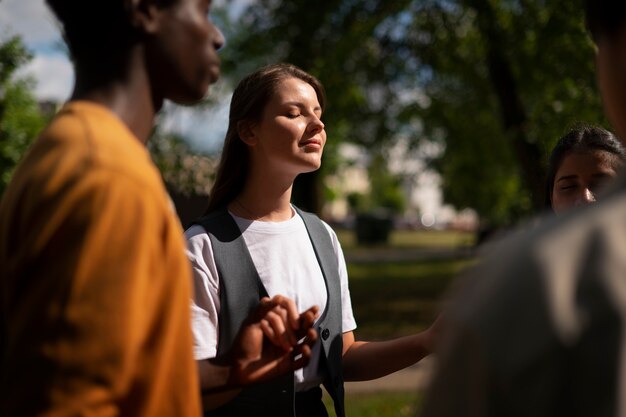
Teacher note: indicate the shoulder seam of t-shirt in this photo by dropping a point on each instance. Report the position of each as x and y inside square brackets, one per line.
[92, 162]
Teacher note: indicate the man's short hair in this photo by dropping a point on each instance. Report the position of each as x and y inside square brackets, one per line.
[93, 27]
[97, 29]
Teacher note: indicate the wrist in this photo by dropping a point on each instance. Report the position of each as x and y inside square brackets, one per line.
[220, 377]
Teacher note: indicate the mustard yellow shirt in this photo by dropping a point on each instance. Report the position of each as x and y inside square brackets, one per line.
[94, 284]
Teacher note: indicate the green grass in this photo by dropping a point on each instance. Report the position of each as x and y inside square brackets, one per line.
[415, 239]
[395, 299]
[384, 404]
[432, 238]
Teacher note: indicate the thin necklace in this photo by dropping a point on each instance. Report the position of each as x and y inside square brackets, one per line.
[254, 216]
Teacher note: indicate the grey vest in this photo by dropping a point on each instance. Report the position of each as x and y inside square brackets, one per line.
[240, 292]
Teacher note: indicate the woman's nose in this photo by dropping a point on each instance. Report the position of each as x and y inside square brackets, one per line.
[316, 124]
[586, 197]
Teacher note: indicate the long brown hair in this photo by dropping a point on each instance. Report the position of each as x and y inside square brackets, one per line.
[248, 103]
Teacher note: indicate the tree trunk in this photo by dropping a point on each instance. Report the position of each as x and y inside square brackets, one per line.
[514, 118]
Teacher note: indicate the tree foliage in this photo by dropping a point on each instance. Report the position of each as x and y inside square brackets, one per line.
[186, 171]
[20, 118]
[497, 82]
[504, 81]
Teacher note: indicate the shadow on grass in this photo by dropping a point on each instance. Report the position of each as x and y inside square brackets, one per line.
[396, 299]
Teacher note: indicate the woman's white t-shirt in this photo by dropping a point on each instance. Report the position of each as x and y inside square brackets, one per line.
[284, 257]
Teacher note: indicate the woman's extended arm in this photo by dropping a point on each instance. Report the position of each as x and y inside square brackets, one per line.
[363, 361]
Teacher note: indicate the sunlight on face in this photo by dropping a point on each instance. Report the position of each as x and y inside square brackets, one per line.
[290, 137]
[579, 178]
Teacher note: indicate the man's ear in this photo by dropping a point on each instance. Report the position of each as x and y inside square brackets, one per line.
[144, 15]
[245, 130]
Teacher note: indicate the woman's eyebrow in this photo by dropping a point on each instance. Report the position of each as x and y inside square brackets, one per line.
[567, 177]
[301, 105]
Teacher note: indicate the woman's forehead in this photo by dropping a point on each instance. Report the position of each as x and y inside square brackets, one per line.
[581, 162]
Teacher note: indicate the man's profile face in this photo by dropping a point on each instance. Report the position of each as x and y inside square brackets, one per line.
[183, 52]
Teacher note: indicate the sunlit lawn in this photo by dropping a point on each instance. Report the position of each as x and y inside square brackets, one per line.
[390, 299]
[386, 404]
[415, 239]
[394, 299]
